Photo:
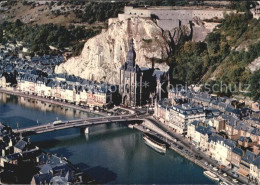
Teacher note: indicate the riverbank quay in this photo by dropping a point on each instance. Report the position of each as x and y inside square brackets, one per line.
[187, 150]
[55, 102]
[178, 144]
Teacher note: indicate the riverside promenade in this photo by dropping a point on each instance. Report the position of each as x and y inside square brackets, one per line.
[55, 102]
[180, 145]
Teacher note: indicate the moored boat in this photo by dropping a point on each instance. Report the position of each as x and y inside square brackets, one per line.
[211, 175]
[159, 147]
[131, 126]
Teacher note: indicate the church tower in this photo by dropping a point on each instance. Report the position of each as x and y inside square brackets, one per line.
[130, 77]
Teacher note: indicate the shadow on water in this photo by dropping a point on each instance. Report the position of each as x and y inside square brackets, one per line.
[13, 120]
[4, 109]
[103, 175]
[48, 140]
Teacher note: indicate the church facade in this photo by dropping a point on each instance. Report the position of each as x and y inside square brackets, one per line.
[139, 86]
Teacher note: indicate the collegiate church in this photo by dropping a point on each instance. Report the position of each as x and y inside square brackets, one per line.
[139, 86]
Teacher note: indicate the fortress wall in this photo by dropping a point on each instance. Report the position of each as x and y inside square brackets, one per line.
[168, 24]
[175, 14]
[169, 18]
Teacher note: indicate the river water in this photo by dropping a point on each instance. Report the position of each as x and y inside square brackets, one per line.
[109, 153]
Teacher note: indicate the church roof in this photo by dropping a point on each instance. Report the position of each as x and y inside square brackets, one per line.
[131, 55]
[130, 65]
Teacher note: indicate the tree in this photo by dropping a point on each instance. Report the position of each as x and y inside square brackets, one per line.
[1, 35]
[255, 85]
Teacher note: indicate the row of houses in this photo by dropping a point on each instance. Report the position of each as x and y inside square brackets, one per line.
[215, 125]
[36, 76]
[244, 159]
[67, 88]
[224, 104]
[178, 116]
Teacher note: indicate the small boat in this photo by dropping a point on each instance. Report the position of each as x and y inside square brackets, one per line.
[131, 126]
[58, 122]
[159, 147]
[223, 183]
[211, 175]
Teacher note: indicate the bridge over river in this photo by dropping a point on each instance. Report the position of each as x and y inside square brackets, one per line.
[79, 123]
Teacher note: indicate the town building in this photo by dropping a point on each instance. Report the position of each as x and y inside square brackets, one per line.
[236, 156]
[245, 162]
[255, 170]
[137, 84]
[220, 149]
[181, 115]
[199, 133]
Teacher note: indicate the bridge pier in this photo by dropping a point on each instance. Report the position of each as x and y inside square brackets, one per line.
[86, 130]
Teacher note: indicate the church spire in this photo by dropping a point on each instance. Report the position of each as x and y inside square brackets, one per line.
[131, 55]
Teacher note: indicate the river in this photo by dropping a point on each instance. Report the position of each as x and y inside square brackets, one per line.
[109, 153]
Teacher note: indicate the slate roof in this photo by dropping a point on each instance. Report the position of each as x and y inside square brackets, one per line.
[249, 157]
[255, 131]
[237, 151]
[242, 139]
[204, 130]
[216, 138]
[42, 178]
[230, 143]
[14, 156]
[20, 144]
[188, 109]
[256, 162]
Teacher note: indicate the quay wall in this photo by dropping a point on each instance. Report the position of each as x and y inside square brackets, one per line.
[16, 93]
[149, 125]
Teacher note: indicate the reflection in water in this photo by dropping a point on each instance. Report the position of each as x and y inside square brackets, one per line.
[30, 112]
[110, 153]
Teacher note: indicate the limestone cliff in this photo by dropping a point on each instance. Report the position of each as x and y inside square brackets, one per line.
[103, 55]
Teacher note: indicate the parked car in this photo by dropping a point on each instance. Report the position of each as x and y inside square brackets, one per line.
[206, 163]
[224, 174]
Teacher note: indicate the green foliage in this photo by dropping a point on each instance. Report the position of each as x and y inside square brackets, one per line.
[77, 48]
[100, 11]
[241, 6]
[1, 35]
[40, 37]
[191, 61]
[255, 85]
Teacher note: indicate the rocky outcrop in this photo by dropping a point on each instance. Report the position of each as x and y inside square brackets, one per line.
[255, 65]
[103, 55]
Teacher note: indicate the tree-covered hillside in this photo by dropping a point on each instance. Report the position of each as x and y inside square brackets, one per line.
[223, 57]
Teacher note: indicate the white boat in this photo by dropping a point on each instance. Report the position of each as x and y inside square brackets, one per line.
[58, 122]
[211, 175]
[223, 183]
[131, 126]
[159, 147]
